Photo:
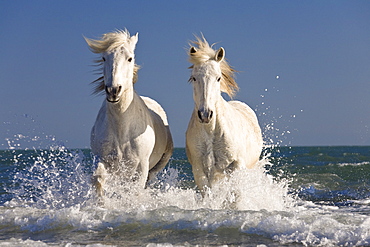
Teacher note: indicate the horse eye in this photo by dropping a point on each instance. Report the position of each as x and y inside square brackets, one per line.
[129, 59]
[219, 79]
[191, 79]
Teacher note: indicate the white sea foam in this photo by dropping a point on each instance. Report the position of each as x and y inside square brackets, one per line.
[306, 224]
[354, 164]
[249, 202]
[20, 242]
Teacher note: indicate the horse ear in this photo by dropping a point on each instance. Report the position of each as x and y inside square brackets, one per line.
[192, 50]
[220, 54]
[134, 39]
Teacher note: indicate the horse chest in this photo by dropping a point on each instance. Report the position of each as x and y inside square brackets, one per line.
[136, 137]
[217, 153]
[117, 142]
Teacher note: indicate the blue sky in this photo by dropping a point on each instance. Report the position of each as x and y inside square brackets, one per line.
[304, 66]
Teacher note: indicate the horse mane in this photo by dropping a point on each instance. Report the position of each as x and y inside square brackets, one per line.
[204, 53]
[108, 42]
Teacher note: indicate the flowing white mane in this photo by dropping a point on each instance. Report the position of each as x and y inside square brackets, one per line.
[108, 42]
[204, 53]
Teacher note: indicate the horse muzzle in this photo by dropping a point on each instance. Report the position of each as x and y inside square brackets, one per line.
[205, 116]
[113, 93]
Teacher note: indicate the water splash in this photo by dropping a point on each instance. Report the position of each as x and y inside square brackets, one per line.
[53, 178]
[53, 196]
[58, 177]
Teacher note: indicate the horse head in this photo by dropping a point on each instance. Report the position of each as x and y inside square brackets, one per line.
[210, 76]
[118, 63]
[206, 80]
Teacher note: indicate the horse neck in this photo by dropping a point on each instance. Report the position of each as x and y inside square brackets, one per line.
[124, 122]
[127, 102]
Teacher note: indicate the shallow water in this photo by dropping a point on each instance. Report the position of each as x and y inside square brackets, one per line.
[298, 196]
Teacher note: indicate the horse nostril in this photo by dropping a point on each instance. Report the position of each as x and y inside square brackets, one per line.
[200, 115]
[205, 116]
[113, 90]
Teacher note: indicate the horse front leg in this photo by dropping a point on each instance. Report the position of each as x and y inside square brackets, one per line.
[143, 173]
[99, 178]
[201, 179]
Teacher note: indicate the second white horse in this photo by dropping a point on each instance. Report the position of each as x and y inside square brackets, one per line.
[222, 136]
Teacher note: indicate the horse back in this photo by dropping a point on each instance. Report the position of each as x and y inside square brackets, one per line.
[156, 109]
[247, 113]
[253, 140]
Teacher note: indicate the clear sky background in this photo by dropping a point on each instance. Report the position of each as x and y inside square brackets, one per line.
[304, 66]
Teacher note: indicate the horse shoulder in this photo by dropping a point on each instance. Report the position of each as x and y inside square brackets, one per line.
[99, 131]
[196, 137]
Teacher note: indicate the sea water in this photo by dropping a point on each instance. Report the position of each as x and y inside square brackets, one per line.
[298, 196]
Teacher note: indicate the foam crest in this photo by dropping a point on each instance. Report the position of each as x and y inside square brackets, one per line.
[312, 225]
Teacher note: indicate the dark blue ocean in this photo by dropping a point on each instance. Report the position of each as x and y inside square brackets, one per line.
[299, 196]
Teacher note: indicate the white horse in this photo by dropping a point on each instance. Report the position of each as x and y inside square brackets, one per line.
[222, 136]
[131, 136]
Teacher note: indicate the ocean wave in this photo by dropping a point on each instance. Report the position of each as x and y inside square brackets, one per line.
[52, 203]
[365, 163]
[307, 224]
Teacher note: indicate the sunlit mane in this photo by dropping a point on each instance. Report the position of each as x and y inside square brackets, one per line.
[204, 53]
[108, 42]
